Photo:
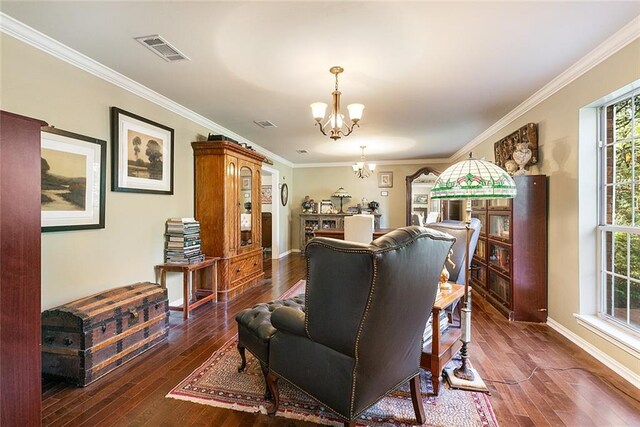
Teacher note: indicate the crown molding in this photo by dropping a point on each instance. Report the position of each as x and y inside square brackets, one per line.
[376, 162]
[20, 31]
[35, 38]
[604, 50]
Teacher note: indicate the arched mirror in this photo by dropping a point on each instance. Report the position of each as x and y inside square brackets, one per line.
[245, 207]
[420, 208]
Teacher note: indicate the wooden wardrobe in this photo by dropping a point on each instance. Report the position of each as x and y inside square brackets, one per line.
[20, 382]
[227, 204]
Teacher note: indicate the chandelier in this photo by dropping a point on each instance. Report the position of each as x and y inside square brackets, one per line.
[361, 169]
[335, 124]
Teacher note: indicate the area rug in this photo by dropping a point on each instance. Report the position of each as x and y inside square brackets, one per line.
[218, 383]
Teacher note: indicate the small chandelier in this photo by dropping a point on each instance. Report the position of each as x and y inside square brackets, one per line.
[337, 127]
[361, 169]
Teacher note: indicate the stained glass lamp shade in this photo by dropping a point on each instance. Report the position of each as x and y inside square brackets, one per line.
[341, 194]
[474, 179]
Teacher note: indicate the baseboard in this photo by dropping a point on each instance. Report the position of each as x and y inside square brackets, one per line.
[284, 254]
[594, 351]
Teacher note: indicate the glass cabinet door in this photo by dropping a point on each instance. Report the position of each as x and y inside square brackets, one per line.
[500, 226]
[500, 257]
[246, 236]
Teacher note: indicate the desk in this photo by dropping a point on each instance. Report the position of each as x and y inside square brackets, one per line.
[442, 348]
[202, 272]
[338, 233]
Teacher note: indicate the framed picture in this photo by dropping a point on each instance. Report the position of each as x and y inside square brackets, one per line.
[73, 181]
[265, 195]
[142, 155]
[385, 179]
[421, 199]
[246, 183]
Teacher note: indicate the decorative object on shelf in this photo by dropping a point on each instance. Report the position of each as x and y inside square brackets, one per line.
[385, 179]
[284, 194]
[326, 207]
[307, 204]
[521, 156]
[373, 205]
[265, 195]
[505, 148]
[142, 155]
[247, 207]
[341, 194]
[73, 177]
[444, 274]
[362, 169]
[337, 127]
[470, 179]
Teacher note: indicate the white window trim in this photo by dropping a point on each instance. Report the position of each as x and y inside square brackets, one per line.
[589, 137]
[622, 338]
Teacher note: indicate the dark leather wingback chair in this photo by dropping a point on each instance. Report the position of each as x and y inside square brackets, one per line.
[458, 230]
[366, 307]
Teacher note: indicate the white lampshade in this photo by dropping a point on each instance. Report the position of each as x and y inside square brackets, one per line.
[372, 167]
[360, 165]
[318, 110]
[355, 111]
[474, 178]
[354, 167]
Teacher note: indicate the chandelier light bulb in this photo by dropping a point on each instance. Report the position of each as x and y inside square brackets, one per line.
[372, 167]
[318, 109]
[355, 112]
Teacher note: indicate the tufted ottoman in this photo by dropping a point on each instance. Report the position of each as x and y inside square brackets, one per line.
[255, 331]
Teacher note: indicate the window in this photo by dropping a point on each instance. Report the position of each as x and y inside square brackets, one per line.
[619, 198]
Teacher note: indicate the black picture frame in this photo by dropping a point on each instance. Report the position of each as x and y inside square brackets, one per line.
[284, 194]
[132, 173]
[73, 179]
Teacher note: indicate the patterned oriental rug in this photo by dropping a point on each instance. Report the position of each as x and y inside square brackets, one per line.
[218, 383]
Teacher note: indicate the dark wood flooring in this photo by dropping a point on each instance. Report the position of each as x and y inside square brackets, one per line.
[133, 395]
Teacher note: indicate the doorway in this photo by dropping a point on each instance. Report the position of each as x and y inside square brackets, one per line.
[270, 212]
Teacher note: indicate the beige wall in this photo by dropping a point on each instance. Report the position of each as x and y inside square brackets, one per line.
[320, 182]
[80, 263]
[558, 127]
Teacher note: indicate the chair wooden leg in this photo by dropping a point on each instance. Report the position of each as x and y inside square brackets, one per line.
[416, 399]
[265, 372]
[272, 384]
[243, 364]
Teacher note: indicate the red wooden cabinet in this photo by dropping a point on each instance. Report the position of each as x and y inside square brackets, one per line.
[509, 267]
[20, 384]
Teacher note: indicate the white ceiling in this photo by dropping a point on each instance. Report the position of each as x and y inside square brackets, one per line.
[432, 75]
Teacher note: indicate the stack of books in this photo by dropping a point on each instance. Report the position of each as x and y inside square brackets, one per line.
[428, 331]
[182, 244]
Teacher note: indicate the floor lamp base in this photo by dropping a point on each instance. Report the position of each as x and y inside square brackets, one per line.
[476, 385]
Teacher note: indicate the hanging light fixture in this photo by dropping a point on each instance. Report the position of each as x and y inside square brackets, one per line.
[336, 126]
[362, 169]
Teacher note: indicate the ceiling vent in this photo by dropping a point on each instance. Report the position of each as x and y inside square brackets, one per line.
[264, 124]
[301, 151]
[162, 48]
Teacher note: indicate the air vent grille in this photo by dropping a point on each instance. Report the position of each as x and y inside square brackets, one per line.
[162, 48]
[264, 124]
[301, 151]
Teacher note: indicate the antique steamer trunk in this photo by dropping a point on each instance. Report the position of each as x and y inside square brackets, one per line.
[85, 339]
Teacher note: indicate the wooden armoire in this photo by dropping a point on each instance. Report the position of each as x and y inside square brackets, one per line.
[228, 178]
[20, 383]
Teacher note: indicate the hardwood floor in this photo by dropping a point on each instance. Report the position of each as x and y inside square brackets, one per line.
[133, 395]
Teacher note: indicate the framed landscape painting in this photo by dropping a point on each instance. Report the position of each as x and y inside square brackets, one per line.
[142, 160]
[73, 176]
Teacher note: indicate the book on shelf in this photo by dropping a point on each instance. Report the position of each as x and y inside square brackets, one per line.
[428, 330]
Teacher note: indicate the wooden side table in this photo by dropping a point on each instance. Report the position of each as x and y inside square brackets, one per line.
[442, 348]
[201, 273]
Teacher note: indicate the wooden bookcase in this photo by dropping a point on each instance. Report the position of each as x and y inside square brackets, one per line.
[20, 337]
[509, 267]
[227, 204]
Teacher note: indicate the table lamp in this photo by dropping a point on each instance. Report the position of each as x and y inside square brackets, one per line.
[341, 194]
[466, 180]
